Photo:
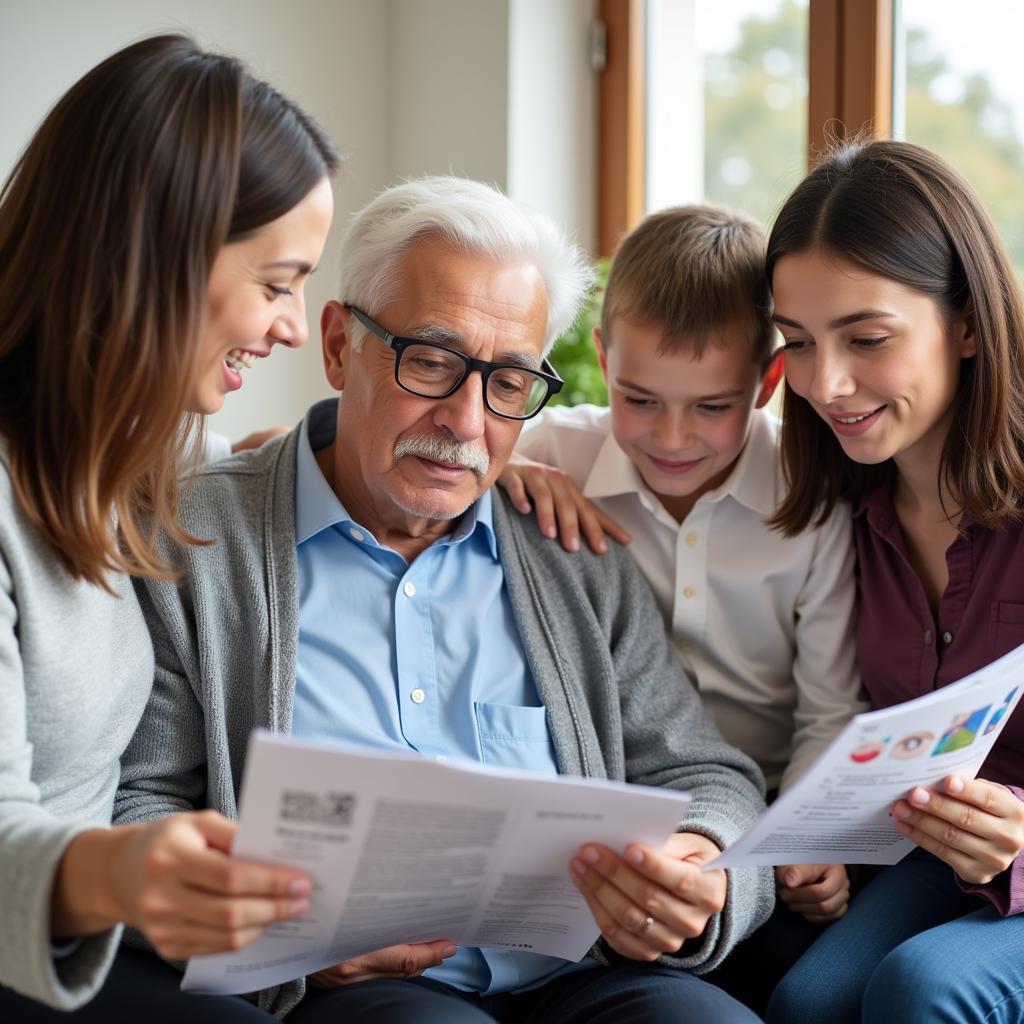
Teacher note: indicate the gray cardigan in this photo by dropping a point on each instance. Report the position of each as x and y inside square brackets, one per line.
[76, 668]
[618, 703]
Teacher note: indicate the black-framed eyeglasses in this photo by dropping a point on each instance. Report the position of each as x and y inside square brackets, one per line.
[431, 370]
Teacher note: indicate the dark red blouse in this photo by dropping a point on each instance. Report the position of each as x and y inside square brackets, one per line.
[904, 652]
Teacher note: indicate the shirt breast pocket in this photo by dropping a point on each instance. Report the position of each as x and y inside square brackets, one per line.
[1007, 627]
[512, 736]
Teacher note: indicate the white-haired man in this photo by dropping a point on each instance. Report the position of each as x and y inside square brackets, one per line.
[367, 584]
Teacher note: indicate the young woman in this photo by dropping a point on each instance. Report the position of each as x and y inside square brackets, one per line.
[904, 354]
[155, 238]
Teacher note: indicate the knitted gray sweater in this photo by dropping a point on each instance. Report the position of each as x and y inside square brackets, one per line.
[619, 705]
[76, 667]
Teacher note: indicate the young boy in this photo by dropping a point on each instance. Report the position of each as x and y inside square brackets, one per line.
[685, 459]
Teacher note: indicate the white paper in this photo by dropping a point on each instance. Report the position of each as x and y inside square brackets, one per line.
[402, 849]
[839, 811]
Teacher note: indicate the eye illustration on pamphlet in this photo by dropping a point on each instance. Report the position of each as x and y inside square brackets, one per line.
[1000, 711]
[868, 751]
[962, 733]
[912, 745]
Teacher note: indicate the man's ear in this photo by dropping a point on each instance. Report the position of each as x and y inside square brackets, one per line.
[335, 325]
[772, 376]
[602, 358]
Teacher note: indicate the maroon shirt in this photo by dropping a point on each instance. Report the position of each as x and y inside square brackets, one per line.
[904, 652]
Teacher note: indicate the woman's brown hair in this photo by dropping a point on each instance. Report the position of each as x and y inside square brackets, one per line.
[900, 211]
[109, 226]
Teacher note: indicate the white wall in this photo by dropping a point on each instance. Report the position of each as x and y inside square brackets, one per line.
[552, 122]
[405, 87]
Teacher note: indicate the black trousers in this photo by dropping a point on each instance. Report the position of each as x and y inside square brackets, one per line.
[140, 988]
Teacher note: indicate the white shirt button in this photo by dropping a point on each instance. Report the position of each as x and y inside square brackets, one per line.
[418, 696]
[947, 637]
[689, 592]
[356, 534]
[691, 540]
[409, 589]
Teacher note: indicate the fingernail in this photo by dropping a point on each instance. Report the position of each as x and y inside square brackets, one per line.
[602, 548]
[955, 784]
[574, 544]
[449, 951]
[298, 907]
[577, 868]
[919, 795]
[300, 887]
[635, 856]
[792, 878]
[901, 811]
[551, 532]
[590, 855]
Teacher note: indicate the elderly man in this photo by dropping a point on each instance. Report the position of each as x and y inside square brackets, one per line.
[367, 584]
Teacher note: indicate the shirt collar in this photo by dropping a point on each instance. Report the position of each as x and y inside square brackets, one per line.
[318, 508]
[753, 481]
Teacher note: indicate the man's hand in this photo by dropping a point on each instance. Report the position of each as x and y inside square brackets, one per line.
[819, 892]
[175, 881]
[561, 509]
[647, 903]
[408, 960]
[976, 827]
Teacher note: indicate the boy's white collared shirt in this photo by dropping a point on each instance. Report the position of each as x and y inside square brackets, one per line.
[764, 623]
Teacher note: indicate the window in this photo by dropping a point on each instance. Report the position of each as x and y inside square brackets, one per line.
[957, 91]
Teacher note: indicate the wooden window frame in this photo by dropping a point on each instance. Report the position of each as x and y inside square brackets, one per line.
[849, 68]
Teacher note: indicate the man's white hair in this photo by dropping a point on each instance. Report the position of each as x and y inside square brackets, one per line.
[473, 217]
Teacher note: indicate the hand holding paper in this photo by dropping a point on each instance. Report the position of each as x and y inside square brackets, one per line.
[648, 903]
[842, 808]
[406, 850]
[976, 827]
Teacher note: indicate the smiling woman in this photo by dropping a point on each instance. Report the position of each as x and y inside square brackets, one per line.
[904, 330]
[161, 223]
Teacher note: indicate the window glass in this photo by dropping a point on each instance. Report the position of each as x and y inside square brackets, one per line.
[727, 102]
[958, 91]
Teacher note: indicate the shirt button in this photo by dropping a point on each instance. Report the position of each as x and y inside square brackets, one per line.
[409, 589]
[418, 696]
[689, 592]
[356, 534]
[947, 637]
[928, 635]
[691, 539]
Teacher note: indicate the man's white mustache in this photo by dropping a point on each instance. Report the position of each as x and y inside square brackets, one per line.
[439, 448]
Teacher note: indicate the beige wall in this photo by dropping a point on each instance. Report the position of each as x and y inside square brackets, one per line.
[405, 87]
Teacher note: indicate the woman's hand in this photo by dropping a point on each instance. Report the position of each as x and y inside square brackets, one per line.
[408, 960]
[561, 509]
[976, 827]
[175, 881]
[818, 892]
[648, 903]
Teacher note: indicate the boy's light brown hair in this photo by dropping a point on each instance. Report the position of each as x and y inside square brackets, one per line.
[693, 270]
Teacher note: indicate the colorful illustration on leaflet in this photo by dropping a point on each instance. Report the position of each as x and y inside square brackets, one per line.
[962, 733]
[1000, 711]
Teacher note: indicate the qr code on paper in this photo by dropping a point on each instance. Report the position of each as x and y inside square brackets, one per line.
[334, 809]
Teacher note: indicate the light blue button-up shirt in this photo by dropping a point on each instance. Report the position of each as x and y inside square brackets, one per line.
[424, 656]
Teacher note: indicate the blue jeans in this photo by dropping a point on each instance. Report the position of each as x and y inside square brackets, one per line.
[914, 949]
[626, 994]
